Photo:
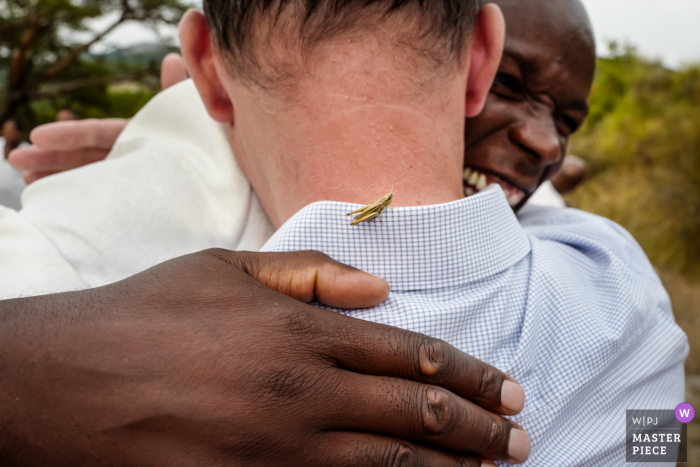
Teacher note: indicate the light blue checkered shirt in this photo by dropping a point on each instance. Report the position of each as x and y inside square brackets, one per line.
[563, 301]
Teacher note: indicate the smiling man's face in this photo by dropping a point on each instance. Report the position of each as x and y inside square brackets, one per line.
[538, 100]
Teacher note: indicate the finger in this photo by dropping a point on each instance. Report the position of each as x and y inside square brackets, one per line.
[381, 350]
[36, 159]
[310, 276]
[571, 174]
[172, 71]
[368, 450]
[426, 414]
[61, 136]
[31, 177]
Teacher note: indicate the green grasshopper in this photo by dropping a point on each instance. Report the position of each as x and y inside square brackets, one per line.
[369, 212]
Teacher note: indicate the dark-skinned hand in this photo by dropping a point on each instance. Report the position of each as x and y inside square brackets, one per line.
[212, 359]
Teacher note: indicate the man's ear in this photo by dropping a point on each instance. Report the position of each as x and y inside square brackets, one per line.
[486, 54]
[198, 52]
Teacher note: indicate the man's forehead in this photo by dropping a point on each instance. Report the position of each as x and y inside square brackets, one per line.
[547, 61]
[550, 40]
[565, 78]
[547, 21]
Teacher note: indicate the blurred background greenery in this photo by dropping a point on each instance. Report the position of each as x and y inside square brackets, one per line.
[46, 64]
[642, 145]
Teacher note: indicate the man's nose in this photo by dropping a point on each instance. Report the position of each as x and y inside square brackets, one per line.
[538, 135]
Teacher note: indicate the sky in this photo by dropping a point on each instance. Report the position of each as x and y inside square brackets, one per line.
[668, 30]
[665, 29]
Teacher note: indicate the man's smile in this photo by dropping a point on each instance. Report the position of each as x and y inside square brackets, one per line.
[474, 180]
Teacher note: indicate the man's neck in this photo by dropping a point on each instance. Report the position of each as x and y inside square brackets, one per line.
[356, 155]
[358, 121]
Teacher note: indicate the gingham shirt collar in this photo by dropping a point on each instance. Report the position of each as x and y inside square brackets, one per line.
[414, 248]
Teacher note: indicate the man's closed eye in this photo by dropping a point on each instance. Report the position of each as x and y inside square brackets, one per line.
[507, 86]
[567, 125]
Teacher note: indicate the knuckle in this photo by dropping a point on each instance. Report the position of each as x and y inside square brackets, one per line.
[218, 253]
[402, 454]
[498, 436]
[433, 357]
[247, 263]
[217, 257]
[289, 384]
[490, 381]
[436, 413]
[299, 323]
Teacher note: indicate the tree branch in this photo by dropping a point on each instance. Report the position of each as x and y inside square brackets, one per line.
[73, 55]
[80, 84]
[13, 27]
[19, 55]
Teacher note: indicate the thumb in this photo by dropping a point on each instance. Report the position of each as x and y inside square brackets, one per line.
[172, 71]
[309, 276]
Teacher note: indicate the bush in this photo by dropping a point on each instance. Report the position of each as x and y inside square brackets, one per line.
[642, 143]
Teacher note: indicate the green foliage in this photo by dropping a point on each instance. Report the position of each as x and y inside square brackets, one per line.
[42, 62]
[121, 101]
[642, 143]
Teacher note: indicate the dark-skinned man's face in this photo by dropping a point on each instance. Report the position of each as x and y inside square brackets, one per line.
[538, 100]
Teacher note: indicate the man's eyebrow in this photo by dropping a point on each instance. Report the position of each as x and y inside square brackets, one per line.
[511, 54]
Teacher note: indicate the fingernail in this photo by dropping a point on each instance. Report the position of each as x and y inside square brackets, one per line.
[487, 464]
[519, 445]
[512, 397]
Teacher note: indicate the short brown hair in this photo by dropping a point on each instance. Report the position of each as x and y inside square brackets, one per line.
[443, 26]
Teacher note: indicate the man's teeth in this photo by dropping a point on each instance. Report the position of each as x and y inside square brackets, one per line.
[475, 181]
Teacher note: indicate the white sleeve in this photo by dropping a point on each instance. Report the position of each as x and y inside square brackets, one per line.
[170, 187]
[29, 263]
[116, 218]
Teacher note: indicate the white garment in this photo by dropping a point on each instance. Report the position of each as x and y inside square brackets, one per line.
[11, 181]
[547, 195]
[171, 186]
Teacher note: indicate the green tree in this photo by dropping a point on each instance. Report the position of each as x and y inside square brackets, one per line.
[642, 143]
[38, 60]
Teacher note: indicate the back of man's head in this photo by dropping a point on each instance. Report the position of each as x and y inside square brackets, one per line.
[336, 99]
[248, 30]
